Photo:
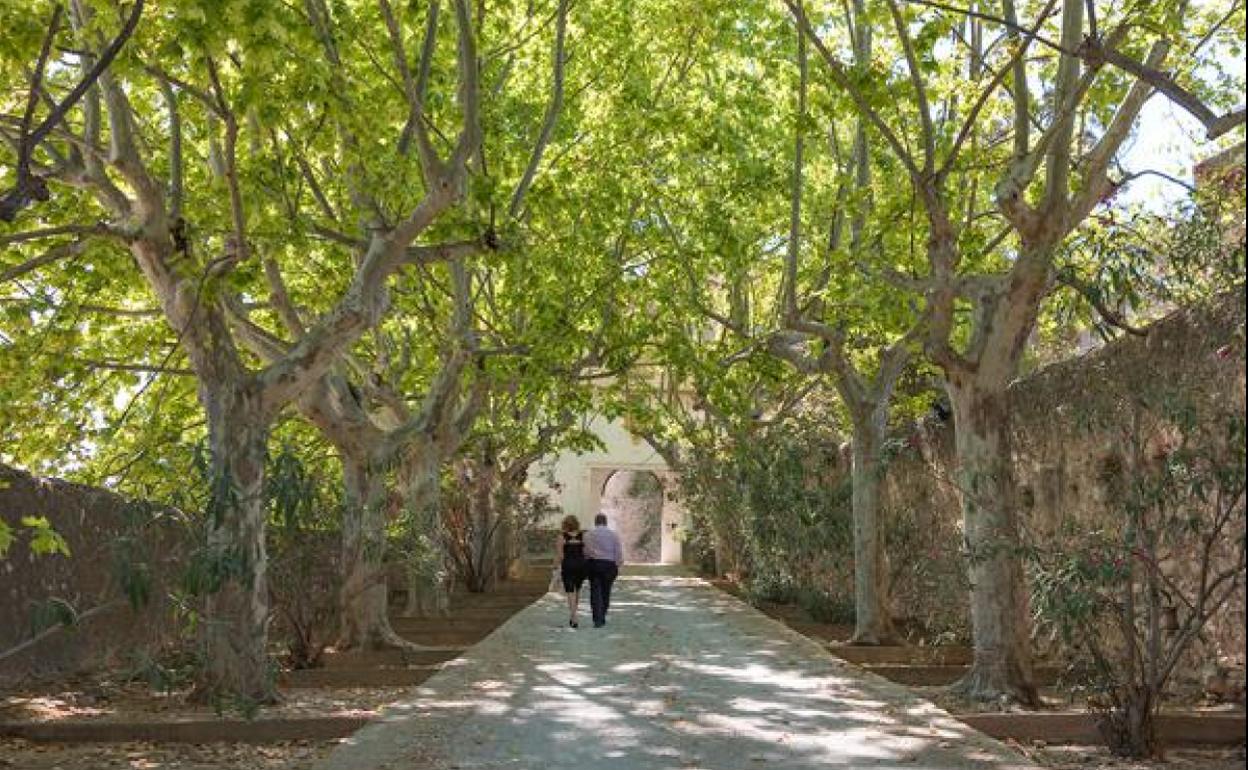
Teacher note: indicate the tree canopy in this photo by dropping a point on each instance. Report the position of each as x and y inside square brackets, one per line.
[457, 230]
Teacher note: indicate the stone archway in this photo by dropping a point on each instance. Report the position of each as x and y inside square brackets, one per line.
[673, 519]
[633, 501]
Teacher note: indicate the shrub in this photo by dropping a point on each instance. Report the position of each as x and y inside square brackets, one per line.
[1136, 596]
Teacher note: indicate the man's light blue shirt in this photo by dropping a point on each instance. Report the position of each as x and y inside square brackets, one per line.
[601, 542]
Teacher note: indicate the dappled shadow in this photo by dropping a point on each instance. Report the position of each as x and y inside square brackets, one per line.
[683, 676]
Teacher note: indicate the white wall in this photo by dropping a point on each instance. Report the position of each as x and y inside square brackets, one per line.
[578, 478]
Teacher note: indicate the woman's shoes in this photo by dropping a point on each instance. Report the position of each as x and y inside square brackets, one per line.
[573, 624]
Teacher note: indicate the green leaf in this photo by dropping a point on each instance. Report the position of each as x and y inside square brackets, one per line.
[43, 539]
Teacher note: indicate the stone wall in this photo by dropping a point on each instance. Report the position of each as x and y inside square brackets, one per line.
[1068, 420]
[102, 531]
[633, 503]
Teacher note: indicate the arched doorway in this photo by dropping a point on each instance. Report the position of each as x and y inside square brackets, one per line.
[633, 503]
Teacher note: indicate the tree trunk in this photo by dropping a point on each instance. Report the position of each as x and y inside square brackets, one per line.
[505, 550]
[501, 547]
[1002, 664]
[1131, 730]
[872, 618]
[428, 578]
[481, 536]
[364, 598]
[233, 631]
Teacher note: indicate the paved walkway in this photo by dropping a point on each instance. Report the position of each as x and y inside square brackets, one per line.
[683, 677]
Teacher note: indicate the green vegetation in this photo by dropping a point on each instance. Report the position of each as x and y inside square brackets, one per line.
[347, 270]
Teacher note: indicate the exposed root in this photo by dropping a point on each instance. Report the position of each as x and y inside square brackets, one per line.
[874, 639]
[222, 699]
[985, 685]
[378, 639]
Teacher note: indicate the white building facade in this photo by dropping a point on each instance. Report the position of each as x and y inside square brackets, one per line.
[579, 481]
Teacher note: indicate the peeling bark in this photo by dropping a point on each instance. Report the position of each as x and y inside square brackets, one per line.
[364, 598]
[234, 627]
[872, 609]
[1002, 663]
[428, 571]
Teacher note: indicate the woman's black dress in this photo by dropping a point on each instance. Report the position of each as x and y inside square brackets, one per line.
[574, 569]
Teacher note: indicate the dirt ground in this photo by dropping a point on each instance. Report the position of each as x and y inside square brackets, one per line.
[110, 702]
[1061, 699]
[300, 755]
[1084, 757]
[106, 701]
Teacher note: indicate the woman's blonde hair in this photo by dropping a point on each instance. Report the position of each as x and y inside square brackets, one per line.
[570, 524]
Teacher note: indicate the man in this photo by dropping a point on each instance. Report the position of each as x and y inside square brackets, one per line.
[605, 556]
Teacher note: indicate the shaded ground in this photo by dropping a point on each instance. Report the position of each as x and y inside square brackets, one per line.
[107, 702]
[146, 756]
[1065, 694]
[1083, 757]
[683, 677]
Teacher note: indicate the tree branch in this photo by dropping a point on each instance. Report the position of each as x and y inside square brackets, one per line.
[1096, 182]
[842, 78]
[39, 637]
[551, 117]
[920, 91]
[71, 249]
[1093, 297]
[26, 187]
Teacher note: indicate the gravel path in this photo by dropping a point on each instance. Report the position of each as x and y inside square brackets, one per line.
[683, 677]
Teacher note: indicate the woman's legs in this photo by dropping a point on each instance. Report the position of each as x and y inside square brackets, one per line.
[574, 600]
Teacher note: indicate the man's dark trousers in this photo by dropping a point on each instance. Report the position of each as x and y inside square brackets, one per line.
[602, 573]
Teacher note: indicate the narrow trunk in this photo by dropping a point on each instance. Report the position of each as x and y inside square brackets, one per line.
[364, 598]
[233, 633]
[505, 543]
[481, 515]
[1131, 730]
[1002, 665]
[505, 552]
[428, 579]
[872, 619]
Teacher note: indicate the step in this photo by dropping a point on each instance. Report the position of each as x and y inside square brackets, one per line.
[527, 584]
[452, 623]
[939, 675]
[533, 585]
[499, 612]
[827, 631]
[393, 658]
[475, 607]
[357, 677]
[533, 590]
[494, 602]
[445, 638]
[1190, 729]
[195, 730]
[416, 630]
[906, 654]
[480, 601]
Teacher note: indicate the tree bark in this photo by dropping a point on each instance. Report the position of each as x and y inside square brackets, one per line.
[872, 617]
[1002, 662]
[481, 516]
[235, 622]
[1132, 731]
[364, 598]
[428, 577]
[505, 543]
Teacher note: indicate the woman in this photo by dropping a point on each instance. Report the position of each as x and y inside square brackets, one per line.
[570, 552]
